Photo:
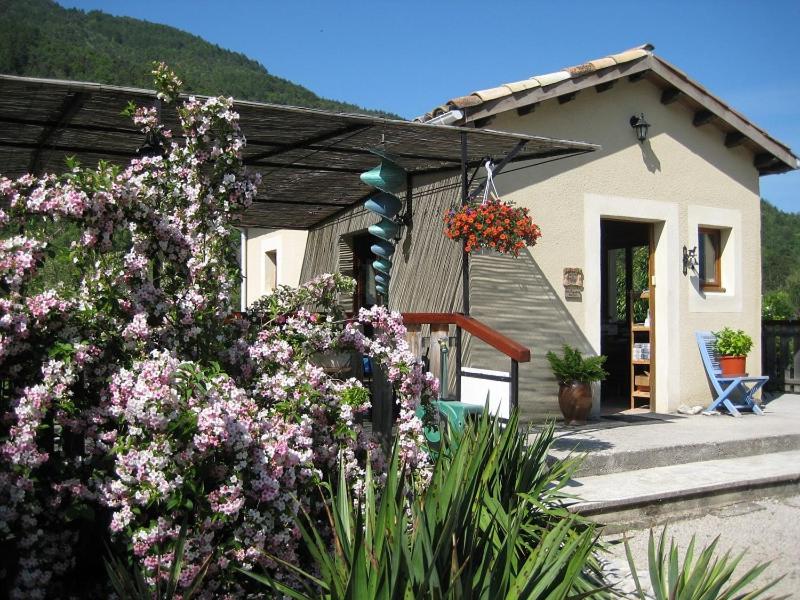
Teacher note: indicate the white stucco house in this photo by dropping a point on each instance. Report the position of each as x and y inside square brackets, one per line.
[683, 202]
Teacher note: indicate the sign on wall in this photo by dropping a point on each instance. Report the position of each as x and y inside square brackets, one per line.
[573, 283]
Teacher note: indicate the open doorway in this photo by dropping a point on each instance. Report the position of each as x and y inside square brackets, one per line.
[627, 316]
[363, 272]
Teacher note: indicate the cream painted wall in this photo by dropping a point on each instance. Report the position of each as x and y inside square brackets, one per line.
[289, 247]
[681, 177]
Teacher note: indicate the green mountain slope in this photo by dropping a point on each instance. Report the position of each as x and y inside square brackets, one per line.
[39, 38]
[780, 258]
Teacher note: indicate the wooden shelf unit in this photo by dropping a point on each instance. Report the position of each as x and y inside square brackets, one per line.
[640, 334]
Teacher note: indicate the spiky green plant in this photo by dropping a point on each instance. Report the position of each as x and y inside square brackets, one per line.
[131, 584]
[490, 524]
[707, 578]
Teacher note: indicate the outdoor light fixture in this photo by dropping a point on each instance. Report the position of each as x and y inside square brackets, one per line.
[689, 259]
[640, 125]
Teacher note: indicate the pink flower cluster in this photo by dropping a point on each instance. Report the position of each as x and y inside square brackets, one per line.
[19, 256]
[137, 402]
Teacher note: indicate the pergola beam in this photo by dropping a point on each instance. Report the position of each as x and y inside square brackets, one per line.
[259, 201]
[558, 153]
[306, 167]
[502, 164]
[68, 149]
[362, 152]
[72, 103]
[70, 126]
[305, 143]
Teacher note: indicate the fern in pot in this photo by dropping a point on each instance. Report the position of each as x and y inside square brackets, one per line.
[575, 374]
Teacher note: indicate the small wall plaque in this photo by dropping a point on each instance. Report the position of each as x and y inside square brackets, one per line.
[573, 283]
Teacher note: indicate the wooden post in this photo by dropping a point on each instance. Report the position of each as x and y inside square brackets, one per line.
[382, 406]
[464, 201]
[458, 363]
[513, 400]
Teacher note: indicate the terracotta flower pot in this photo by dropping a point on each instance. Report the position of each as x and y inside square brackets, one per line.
[733, 366]
[575, 402]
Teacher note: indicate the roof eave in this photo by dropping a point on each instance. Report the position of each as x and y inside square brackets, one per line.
[784, 160]
[729, 116]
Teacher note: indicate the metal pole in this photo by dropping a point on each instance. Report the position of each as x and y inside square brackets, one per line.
[514, 395]
[464, 200]
[444, 392]
[458, 363]
[243, 268]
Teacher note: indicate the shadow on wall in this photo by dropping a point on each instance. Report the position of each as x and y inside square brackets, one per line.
[649, 157]
[513, 296]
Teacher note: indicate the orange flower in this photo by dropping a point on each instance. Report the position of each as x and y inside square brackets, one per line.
[496, 224]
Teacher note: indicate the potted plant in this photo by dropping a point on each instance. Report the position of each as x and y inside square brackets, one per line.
[732, 346]
[575, 374]
[493, 224]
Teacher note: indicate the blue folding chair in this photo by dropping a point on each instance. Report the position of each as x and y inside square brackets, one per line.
[734, 393]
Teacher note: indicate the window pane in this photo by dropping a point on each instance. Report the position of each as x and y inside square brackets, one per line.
[708, 258]
[271, 271]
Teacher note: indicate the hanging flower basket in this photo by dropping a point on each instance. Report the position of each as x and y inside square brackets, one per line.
[493, 224]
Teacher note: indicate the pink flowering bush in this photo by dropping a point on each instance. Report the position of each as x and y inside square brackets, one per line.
[136, 403]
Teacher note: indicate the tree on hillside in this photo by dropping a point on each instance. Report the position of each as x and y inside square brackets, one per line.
[42, 39]
[780, 261]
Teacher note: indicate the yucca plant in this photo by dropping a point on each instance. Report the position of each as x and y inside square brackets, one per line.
[490, 524]
[131, 584]
[707, 578]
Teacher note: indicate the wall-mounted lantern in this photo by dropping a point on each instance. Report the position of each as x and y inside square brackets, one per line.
[689, 259]
[640, 126]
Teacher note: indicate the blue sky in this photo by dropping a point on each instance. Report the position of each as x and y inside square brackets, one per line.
[406, 57]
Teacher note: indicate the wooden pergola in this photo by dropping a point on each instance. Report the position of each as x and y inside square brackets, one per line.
[310, 160]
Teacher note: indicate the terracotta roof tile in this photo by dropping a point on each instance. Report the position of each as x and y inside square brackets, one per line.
[465, 101]
[551, 78]
[583, 69]
[602, 63]
[629, 55]
[492, 93]
[501, 91]
[521, 86]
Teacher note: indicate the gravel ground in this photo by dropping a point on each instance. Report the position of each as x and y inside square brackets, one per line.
[767, 530]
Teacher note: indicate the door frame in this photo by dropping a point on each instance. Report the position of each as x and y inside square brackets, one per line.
[628, 241]
[664, 219]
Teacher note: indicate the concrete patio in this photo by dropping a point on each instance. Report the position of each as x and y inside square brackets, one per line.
[655, 468]
[645, 440]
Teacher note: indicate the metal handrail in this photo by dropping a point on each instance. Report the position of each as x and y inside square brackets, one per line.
[514, 350]
[494, 338]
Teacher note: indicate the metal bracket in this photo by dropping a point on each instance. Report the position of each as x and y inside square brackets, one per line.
[501, 165]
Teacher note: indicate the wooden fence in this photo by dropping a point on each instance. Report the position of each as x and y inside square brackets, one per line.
[780, 354]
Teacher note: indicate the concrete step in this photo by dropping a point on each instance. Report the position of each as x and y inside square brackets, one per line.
[650, 496]
[626, 441]
[603, 461]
